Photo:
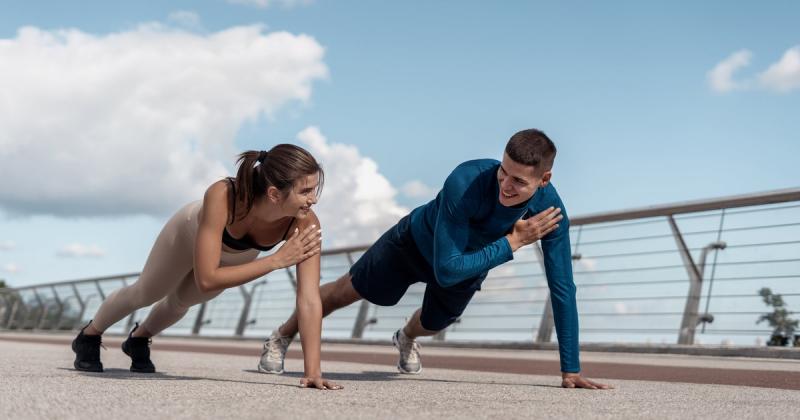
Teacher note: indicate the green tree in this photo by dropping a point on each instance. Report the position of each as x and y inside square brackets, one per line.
[783, 325]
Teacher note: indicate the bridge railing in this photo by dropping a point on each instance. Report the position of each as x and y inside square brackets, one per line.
[680, 273]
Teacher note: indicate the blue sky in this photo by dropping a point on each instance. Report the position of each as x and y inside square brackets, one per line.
[404, 91]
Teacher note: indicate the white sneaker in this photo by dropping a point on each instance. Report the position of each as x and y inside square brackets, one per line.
[274, 353]
[409, 353]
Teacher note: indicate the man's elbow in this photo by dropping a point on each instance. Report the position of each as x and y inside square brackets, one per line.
[446, 275]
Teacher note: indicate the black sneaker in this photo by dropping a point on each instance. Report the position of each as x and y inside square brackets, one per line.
[87, 352]
[138, 348]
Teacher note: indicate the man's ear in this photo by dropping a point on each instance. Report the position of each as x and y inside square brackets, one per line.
[273, 194]
[546, 178]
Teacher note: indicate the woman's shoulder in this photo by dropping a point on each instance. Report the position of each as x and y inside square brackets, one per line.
[217, 197]
[218, 191]
[304, 222]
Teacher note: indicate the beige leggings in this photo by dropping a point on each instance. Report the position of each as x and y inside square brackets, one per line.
[167, 277]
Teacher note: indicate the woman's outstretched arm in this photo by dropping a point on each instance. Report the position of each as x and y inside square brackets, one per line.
[309, 317]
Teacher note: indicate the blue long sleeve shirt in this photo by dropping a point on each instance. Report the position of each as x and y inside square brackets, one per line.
[461, 233]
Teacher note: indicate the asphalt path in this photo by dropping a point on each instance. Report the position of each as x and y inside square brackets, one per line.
[218, 379]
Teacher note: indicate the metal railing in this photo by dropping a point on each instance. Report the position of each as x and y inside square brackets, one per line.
[686, 273]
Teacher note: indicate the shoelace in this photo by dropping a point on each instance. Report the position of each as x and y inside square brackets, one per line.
[99, 341]
[410, 349]
[276, 347]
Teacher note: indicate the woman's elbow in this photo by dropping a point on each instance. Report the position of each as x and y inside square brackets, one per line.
[204, 284]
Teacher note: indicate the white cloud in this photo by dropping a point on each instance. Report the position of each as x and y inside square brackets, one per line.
[11, 268]
[721, 76]
[139, 121]
[185, 18]
[263, 4]
[76, 250]
[784, 75]
[418, 189]
[7, 245]
[357, 203]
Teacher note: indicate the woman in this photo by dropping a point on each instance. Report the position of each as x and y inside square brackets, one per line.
[211, 245]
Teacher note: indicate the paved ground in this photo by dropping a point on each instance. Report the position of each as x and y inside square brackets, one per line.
[217, 379]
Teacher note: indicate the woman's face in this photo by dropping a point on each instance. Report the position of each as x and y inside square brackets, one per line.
[302, 196]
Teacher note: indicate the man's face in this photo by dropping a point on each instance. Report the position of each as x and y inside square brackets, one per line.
[518, 182]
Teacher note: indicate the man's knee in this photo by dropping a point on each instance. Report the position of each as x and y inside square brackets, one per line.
[343, 293]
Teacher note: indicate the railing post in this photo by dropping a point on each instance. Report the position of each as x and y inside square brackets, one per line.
[81, 305]
[100, 289]
[6, 310]
[60, 304]
[198, 321]
[12, 320]
[240, 326]
[43, 314]
[689, 321]
[248, 300]
[545, 332]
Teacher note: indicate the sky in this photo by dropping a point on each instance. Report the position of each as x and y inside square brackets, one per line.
[115, 114]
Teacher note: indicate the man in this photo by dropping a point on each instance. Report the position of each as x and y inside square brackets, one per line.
[485, 211]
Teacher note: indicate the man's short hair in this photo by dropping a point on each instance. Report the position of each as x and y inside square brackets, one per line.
[533, 148]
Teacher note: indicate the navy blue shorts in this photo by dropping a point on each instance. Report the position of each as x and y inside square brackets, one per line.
[393, 263]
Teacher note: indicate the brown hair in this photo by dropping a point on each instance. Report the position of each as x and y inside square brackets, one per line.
[279, 168]
[532, 147]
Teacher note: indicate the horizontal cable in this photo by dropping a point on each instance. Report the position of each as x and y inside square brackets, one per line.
[737, 332]
[699, 232]
[715, 213]
[664, 267]
[675, 250]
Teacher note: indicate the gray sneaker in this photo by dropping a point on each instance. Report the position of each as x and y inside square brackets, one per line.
[273, 354]
[409, 353]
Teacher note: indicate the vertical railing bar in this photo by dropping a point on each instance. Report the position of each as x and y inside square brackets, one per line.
[198, 321]
[81, 304]
[713, 267]
[60, 304]
[689, 321]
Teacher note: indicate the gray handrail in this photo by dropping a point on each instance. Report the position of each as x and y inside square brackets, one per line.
[18, 313]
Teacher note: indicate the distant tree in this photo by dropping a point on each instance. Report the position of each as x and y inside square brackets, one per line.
[3, 284]
[783, 325]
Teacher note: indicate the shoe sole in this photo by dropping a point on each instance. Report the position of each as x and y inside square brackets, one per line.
[400, 369]
[77, 367]
[269, 372]
[133, 369]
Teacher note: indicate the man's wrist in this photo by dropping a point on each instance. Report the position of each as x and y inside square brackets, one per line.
[512, 242]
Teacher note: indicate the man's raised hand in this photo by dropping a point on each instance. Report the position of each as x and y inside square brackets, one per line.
[528, 231]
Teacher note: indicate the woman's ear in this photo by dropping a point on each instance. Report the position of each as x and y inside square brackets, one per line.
[273, 194]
